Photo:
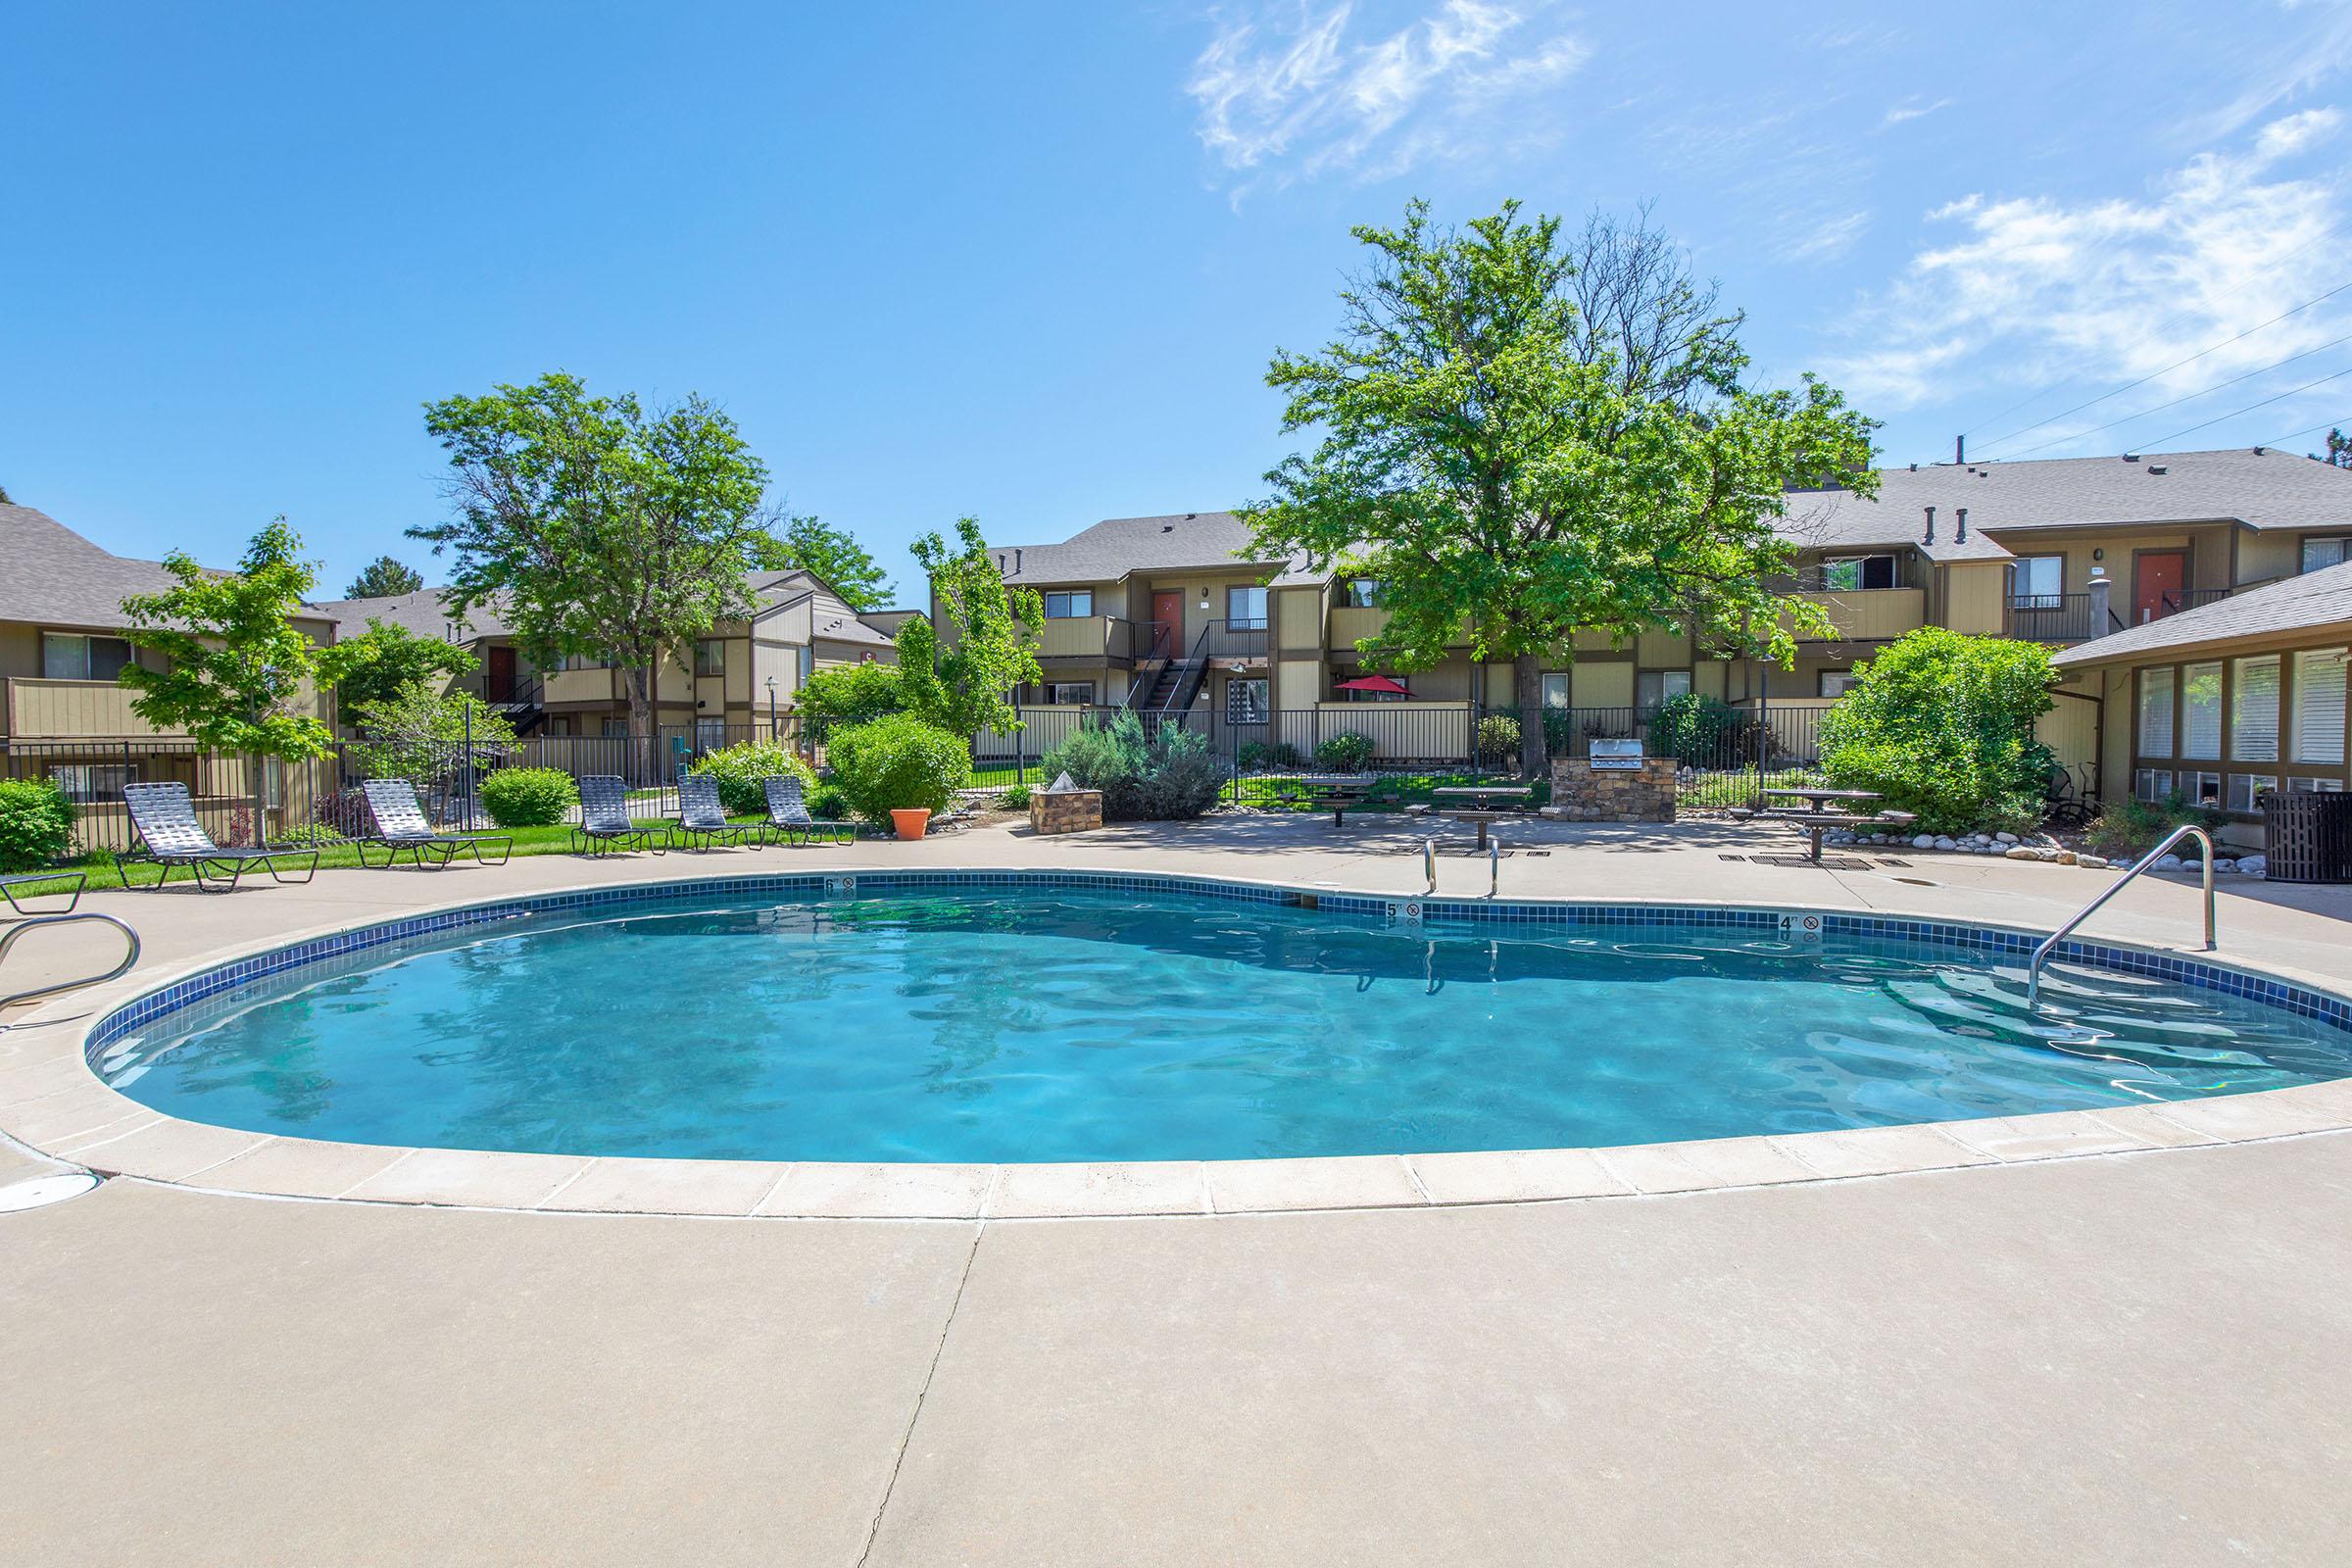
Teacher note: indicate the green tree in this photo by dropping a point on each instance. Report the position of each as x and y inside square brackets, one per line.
[4, 501]
[809, 545]
[1525, 436]
[238, 675]
[993, 647]
[412, 732]
[852, 692]
[2339, 452]
[605, 529]
[388, 658]
[384, 578]
[1942, 726]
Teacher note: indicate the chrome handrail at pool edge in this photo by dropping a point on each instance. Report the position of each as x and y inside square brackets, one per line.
[1429, 862]
[8, 939]
[2049, 944]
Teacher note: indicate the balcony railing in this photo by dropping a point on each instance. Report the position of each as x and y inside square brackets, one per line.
[2055, 618]
[2175, 600]
[1871, 615]
[1234, 639]
[1100, 639]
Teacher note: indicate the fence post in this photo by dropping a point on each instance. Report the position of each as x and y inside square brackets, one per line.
[468, 775]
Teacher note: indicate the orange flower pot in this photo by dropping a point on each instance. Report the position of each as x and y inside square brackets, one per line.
[911, 821]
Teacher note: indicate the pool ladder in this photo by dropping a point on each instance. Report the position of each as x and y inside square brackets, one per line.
[1429, 866]
[2049, 944]
[28, 920]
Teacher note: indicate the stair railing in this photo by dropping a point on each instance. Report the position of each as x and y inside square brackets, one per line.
[2049, 944]
[8, 939]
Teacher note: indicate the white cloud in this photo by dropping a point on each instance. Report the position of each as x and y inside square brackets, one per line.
[1296, 95]
[1825, 240]
[1914, 109]
[2037, 290]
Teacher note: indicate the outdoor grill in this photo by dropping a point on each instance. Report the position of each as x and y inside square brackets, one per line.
[1616, 757]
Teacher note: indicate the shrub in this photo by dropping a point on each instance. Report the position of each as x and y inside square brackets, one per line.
[2133, 827]
[1700, 731]
[899, 763]
[417, 731]
[852, 694]
[36, 824]
[1942, 726]
[529, 797]
[827, 804]
[1260, 755]
[1171, 775]
[1346, 753]
[1498, 741]
[742, 773]
[1015, 797]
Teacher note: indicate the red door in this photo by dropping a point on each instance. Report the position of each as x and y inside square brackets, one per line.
[1167, 620]
[498, 681]
[2155, 574]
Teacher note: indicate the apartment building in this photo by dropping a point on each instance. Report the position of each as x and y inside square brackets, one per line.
[63, 716]
[731, 680]
[1174, 612]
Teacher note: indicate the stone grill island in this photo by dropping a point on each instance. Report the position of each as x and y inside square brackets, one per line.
[1616, 783]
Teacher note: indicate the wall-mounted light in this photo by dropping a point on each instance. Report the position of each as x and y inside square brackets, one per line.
[1203, 599]
[2098, 555]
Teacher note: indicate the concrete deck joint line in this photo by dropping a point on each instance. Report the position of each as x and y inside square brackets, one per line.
[898, 1460]
[372, 1175]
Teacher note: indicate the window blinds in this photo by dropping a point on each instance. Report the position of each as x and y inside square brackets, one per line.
[2201, 711]
[2156, 712]
[2320, 706]
[2254, 712]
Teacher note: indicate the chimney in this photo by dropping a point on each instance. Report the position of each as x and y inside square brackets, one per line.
[1960, 527]
[1931, 538]
[2101, 618]
[1016, 561]
[1959, 449]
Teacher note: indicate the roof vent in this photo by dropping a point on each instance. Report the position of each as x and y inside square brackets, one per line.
[1960, 530]
[1168, 527]
[1189, 516]
[1016, 559]
[2259, 450]
[1915, 468]
[2131, 457]
[2158, 467]
[1931, 538]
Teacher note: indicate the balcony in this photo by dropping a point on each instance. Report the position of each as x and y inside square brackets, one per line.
[1870, 615]
[2055, 618]
[1233, 642]
[1350, 625]
[71, 710]
[1089, 639]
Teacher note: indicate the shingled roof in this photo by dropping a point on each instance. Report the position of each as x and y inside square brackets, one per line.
[2313, 601]
[53, 577]
[1117, 546]
[420, 613]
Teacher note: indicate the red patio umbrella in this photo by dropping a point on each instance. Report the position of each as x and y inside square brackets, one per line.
[1373, 683]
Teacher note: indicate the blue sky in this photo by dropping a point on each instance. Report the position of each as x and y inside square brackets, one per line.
[1028, 262]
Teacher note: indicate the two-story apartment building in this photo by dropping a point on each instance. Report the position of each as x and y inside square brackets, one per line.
[1174, 611]
[63, 713]
[737, 675]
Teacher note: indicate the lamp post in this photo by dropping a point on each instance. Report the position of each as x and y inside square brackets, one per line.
[771, 707]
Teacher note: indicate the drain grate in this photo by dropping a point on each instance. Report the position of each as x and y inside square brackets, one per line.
[43, 1190]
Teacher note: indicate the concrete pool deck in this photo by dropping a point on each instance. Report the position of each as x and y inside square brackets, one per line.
[2131, 1355]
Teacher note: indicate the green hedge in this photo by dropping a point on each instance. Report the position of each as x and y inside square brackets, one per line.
[1942, 726]
[529, 797]
[743, 772]
[36, 824]
[898, 762]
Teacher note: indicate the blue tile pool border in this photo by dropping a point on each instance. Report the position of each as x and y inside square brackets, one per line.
[2201, 972]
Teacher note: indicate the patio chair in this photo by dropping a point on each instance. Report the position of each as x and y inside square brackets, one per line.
[604, 818]
[401, 825]
[700, 815]
[165, 832]
[788, 812]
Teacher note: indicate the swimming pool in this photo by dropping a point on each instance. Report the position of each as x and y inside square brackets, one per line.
[1011, 1019]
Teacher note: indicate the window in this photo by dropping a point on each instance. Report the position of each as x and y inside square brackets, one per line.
[2202, 789]
[710, 734]
[1070, 606]
[1849, 573]
[2246, 790]
[581, 661]
[1555, 689]
[2254, 710]
[1655, 688]
[2201, 711]
[616, 729]
[1245, 702]
[2037, 581]
[69, 655]
[2320, 706]
[1071, 692]
[2152, 783]
[2315, 786]
[1362, 593]
[1838, 682]
[2318, 552]
[1246, 608]
[93, 781]
[807, 666]
[710, 657]
[2156, 712]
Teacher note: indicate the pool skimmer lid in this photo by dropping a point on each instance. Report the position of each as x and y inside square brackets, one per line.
[43, 1190]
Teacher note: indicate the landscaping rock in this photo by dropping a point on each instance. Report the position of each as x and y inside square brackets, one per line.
[2254, 865]
[2006, 838]
[2095, 862]
[2019, 853]
[2169, 862]
[1926, 841]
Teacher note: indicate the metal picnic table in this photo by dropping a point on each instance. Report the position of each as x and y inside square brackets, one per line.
[1818, 798]
[1481, 809]
[1331, 792]
[1818, 820]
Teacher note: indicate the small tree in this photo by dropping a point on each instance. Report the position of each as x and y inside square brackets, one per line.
[964, 689]
[384, 578]
[235, 666]
[832, 554]
[603, 530]
[412, 733]
[852, 694]
[1942, 726]
[387, 659]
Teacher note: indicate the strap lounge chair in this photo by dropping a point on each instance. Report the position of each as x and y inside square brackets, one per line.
[702, 817]
[166, 833]
[604, 818]
[788, 812]
[401, 827]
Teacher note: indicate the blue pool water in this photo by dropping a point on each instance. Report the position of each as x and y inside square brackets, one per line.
[1065, 1025]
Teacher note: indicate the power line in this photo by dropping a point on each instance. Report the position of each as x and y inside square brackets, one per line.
[2175, 365]
[2191, 396]
[2177, 316]
[2310, 429]
[2161, 441]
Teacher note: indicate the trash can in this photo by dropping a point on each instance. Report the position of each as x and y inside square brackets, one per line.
[2307, 836]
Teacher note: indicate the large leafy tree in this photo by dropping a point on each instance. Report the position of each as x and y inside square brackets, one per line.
[384, 578]
[833, 555]
[387, 657]
[965, 686]
[237, 675]
[601, 527]
[1525, 436]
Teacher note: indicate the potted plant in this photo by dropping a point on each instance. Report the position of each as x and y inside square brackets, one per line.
[899, 771]
[910, 821]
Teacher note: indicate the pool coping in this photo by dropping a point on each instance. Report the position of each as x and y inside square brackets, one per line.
[54, 1104]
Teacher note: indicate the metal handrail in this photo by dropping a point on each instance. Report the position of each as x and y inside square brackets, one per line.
[2041, 953]
[1429, 861]
[8, 939]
